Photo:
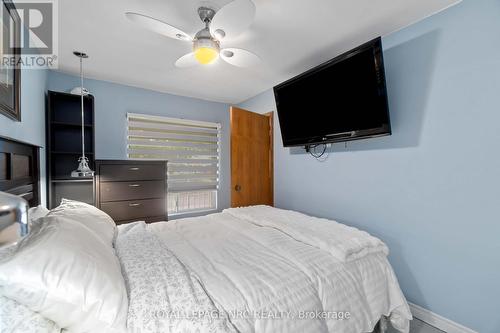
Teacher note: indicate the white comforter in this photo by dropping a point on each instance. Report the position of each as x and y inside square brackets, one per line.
[264, 280]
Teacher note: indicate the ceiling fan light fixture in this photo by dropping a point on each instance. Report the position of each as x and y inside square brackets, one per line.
[206, 55]
[206, 49]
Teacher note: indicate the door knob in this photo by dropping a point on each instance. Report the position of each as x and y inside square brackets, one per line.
[237, 188]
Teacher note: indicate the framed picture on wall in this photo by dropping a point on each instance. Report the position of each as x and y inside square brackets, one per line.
[10, 74]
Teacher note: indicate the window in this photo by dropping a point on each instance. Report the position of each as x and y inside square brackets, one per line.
[192, 149]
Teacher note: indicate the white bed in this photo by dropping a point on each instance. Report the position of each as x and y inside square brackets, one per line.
[254, 269]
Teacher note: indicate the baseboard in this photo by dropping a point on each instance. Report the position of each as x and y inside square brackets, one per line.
[438, 321]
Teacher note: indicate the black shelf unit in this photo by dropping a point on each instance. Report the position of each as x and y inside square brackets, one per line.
[64, 145]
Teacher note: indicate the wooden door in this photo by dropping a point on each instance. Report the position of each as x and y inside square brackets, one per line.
[251, 158]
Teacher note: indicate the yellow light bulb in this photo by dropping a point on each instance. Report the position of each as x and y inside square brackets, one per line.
[205, 55]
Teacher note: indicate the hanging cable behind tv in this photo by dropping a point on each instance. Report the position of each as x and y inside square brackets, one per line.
[321, 155]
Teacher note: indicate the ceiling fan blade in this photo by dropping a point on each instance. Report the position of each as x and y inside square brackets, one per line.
[232, 19]
[187, 60]
[240, 57]
[157, 26]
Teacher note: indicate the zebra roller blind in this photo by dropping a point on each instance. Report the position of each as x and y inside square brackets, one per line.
[192, 149]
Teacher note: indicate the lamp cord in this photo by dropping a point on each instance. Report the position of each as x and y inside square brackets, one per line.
[83, 116]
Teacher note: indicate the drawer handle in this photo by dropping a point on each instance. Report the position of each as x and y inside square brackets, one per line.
[134, 169]
[134, 185]
[134, 204]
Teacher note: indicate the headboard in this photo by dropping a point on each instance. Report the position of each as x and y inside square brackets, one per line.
[20, 169]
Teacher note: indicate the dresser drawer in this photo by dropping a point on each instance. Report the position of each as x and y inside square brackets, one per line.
[118, 191]
[134, 209]
[131, 172]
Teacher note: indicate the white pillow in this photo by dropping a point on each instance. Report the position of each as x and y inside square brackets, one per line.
[35, 213]
[68, 275]
[93, 218]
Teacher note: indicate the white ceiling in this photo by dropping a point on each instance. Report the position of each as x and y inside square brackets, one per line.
[290, 36]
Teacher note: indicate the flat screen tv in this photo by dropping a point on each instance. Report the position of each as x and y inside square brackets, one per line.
[343, 99]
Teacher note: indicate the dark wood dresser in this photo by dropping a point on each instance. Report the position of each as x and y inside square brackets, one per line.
[132, 190]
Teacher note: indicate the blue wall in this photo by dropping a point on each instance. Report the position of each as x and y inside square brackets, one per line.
[114, 101]
[32, 127]
[432, 189]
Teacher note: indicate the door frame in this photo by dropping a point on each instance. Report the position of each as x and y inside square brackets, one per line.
[270, 115]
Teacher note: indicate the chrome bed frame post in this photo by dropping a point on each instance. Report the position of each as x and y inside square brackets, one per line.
[13, 209]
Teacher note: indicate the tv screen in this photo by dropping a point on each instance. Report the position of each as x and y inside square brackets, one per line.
[341, 100]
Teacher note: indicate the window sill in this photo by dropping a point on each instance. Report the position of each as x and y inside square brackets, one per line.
[193, 213]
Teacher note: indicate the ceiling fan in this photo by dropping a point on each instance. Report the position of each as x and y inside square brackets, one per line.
[224, 24]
